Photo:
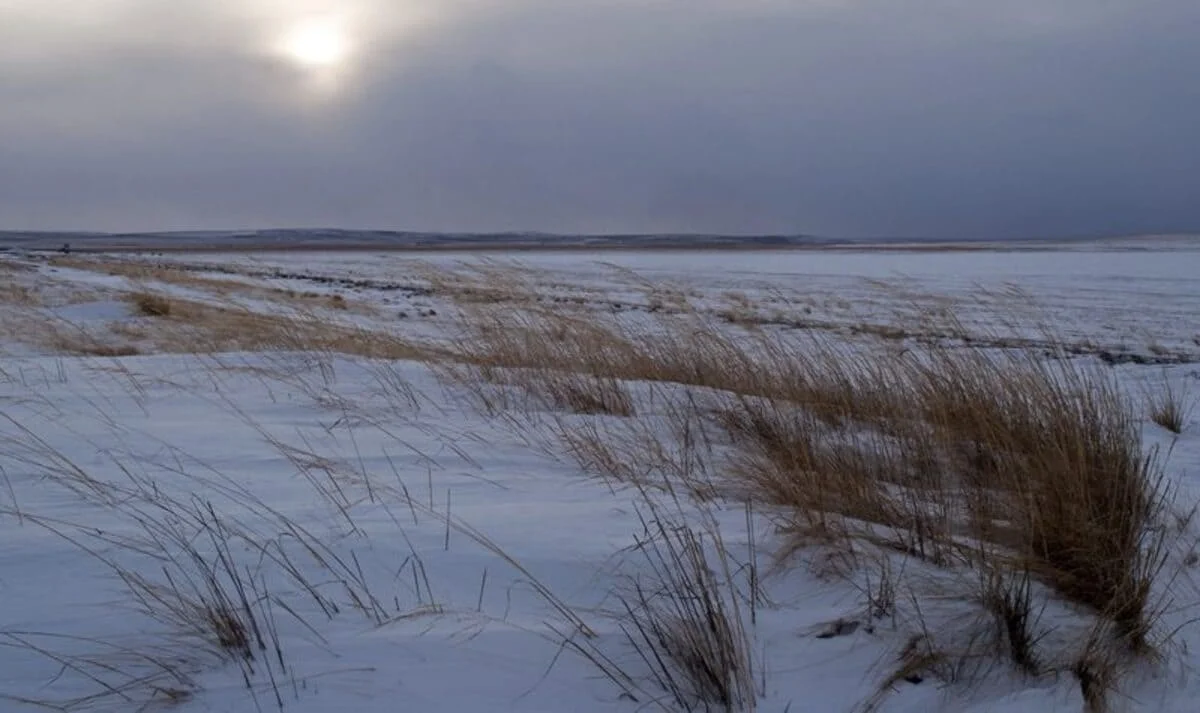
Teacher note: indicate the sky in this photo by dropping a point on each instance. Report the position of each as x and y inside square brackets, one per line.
[846, 118]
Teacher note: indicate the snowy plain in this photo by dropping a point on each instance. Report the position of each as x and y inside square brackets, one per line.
[403, 550]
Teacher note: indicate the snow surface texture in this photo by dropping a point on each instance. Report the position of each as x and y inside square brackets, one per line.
[399, 550]
[1139, 301]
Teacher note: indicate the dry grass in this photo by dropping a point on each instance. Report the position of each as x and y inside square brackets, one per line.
[148, 272]
[195, 327]
[1024, 472]
[16, 266]
[1171, 407]
[686, 624]
[44, 329]
[211, 284]
[218, 570]
[174, 325]
[14, 293]
[149, 304]
[1021, 468]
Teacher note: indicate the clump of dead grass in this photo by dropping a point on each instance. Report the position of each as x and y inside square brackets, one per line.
[150, 304]
[1171, 407]
[684, 620]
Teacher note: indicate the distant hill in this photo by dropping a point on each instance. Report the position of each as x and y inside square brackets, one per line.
[323, 238]
[334, 239]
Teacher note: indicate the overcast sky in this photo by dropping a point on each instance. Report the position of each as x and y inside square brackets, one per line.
[940, 118]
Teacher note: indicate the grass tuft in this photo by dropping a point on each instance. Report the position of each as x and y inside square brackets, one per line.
[1008, 596]
[1171, 407]
[149, 304]
[684, 622]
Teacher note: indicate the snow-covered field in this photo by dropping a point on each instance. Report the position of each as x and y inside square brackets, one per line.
[197, 513]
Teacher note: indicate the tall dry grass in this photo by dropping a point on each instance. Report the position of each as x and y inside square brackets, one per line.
[1172, 406]
[1025, 466]
[149, 304]
[684, 619]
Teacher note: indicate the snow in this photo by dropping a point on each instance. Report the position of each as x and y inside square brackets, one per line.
[96, 311]
[1137, 300]
[280, 444]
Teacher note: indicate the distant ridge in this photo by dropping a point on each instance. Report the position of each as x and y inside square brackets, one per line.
[341, 239]
[331, 238]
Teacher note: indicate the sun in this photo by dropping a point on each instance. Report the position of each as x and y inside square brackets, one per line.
[316, 44]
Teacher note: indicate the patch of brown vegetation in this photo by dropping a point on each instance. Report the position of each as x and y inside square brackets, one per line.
[16, 266]
[1016, 465]
[149, 304]
[43, 329]
[13, 293]
[191, 327]
[219, 287]
[171, 325]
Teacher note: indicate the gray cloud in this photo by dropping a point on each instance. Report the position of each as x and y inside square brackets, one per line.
[867, 117]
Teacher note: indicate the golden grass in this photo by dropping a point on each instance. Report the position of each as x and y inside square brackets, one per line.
[219, 287]
[192, 327]
[1019, 465]
[171, 325]
[149, 304]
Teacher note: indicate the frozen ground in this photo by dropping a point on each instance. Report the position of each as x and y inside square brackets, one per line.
[399, 550]
[1132, 301]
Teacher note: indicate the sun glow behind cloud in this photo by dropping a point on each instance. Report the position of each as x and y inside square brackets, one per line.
[330, 45]
[317, 44]
[747, 115]
[321, 50]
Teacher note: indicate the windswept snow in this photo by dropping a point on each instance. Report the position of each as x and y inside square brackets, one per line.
[404, 551]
